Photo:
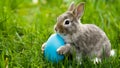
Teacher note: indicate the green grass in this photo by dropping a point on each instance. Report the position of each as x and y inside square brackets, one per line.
[25, 26]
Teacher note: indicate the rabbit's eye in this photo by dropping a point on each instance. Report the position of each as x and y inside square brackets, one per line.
[67, 22]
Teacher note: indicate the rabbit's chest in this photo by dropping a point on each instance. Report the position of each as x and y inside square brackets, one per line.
[68, 39]
[71, 38]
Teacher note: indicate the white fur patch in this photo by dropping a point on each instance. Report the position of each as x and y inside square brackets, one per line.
[112, 52]
[96, 60]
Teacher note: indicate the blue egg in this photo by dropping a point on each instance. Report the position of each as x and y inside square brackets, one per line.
[52, 44]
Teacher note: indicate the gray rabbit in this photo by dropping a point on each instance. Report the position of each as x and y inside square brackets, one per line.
[82, 39]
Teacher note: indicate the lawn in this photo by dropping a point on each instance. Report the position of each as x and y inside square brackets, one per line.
[25, 25]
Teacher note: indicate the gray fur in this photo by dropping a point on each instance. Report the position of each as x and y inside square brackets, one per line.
[82, 39]
[86, 39]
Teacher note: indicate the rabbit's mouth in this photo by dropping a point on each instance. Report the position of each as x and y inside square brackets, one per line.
[58, 31]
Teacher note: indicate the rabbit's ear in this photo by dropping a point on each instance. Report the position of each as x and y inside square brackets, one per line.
[78, 12]
[71, 7]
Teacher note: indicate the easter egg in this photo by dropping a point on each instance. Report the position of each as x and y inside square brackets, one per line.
[53, 43]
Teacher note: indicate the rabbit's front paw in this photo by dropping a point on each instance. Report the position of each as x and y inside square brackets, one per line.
[63, 49]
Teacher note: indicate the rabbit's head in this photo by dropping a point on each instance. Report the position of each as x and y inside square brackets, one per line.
[68, 22]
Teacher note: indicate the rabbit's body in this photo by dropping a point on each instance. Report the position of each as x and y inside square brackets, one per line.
[89, 40]
[83, 39]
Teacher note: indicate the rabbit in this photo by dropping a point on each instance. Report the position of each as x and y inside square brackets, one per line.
[81, 39]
